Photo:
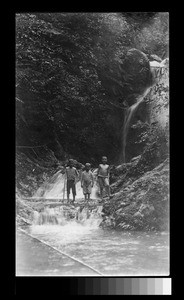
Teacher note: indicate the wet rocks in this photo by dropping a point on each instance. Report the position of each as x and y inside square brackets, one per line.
[143, 204]
[24, 212]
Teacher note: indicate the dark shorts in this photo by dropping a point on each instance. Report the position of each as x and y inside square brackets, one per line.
[71, 185]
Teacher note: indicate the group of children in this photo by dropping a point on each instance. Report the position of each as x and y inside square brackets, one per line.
[87, 180]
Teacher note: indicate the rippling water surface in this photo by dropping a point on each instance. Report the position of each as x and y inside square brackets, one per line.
[110, 252]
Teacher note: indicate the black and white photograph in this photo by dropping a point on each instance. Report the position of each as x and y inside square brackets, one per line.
[92, 144]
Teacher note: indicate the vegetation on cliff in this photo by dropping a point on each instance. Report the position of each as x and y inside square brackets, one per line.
[75, 75]
[140, 188]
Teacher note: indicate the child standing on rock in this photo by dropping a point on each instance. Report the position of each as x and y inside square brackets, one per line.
[87, 181]
[103, 177]
[72, 176]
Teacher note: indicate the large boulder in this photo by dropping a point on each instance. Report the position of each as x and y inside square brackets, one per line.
[136, 72]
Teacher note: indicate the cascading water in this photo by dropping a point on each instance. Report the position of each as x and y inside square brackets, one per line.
[55, 228]
[65, 225]
[156, 69]
[79, 247]
[65, 217]
[128, 116]
[62, 216]
[55, 188]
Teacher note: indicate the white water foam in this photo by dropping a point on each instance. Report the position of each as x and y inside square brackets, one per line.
[55, 188]
[54, 223]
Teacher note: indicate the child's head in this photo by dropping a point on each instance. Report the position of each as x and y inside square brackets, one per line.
[87, 166]
[70, 162]
[104, 159]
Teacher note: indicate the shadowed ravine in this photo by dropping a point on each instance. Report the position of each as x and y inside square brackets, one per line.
[90, 85]
[64, 239]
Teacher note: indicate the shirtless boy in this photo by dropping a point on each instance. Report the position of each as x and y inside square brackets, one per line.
[103, 177]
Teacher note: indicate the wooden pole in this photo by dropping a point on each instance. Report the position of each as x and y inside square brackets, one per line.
[61, 252]
[64, 187]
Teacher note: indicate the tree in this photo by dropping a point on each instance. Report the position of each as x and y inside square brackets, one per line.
[73, 78]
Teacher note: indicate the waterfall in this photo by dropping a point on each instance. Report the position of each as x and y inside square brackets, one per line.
[156, 69]
[128, 117]
[57, 224]
[62, 216]
[55, 188]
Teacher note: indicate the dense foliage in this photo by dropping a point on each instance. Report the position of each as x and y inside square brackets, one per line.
[74, 78]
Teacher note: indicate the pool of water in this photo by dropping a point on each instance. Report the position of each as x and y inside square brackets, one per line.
[112, 253]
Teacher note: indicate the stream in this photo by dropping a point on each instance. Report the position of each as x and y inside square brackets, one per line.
[58, 244]
[112, 253]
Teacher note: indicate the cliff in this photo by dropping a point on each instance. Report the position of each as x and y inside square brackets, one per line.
[140, 188]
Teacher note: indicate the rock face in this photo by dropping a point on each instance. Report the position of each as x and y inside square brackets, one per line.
[31, 173]
[140, 188]
[142, 204]
[153, 111]
[137, 72]
[24, 212]
[159, 97]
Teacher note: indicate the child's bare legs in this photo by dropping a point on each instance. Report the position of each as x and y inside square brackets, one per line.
[87, 204]
[108, 190]
[87, 199]
[73, 191]
[107, 186]
[68, 197]
[101, 193]
[100, 182]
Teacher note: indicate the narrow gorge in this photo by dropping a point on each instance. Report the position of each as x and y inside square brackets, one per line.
[89, 85]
